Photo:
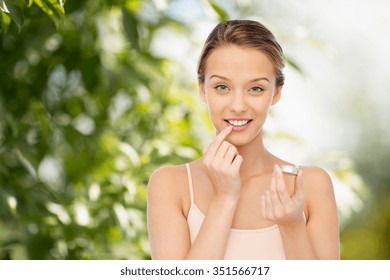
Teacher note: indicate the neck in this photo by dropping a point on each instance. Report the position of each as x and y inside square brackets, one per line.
[257, 159]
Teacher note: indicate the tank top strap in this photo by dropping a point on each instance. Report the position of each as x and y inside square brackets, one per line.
[190, 183]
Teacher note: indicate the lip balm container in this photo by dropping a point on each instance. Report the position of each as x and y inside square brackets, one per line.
[290, 169]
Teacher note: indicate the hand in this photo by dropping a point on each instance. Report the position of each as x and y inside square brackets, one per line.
[278, 206]
[223, 164]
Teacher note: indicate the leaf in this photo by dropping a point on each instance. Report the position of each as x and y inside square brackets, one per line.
[293, 64]
[3, 7]
[133, 6]
[51, 7]
[5, 20]
[223, 15]
[55, 6]
[15, 13]
[130, 26]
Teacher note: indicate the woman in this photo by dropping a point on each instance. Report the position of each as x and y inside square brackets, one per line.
[235, 202]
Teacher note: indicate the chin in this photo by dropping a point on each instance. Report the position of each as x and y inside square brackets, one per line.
[238, 141]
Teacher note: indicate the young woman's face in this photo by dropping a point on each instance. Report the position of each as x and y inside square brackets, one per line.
[239, 88]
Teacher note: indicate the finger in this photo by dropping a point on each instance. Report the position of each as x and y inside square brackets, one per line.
[225, 132]
[213, 148]
[237, 161]
[298, 189]
[269, 206]
[223, 149]
[273, 188]
[231, 154]
[222, 135]
[281, 186]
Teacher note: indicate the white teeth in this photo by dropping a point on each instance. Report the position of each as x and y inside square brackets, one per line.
[238, 122]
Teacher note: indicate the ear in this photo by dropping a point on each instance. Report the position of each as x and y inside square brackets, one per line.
[202, 93]
[277, 95]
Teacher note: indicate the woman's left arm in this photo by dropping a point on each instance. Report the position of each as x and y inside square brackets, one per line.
[317, 236]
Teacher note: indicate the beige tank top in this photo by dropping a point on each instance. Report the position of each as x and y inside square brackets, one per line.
[256, 244]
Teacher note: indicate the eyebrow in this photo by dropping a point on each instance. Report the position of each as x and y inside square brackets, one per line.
[254, 80]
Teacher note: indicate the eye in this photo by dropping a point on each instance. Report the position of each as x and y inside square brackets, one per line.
[221, 88]
[256, 89]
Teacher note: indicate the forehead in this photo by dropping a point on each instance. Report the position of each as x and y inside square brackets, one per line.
[233, 61]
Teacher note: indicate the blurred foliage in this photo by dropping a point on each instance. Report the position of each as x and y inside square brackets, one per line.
[368, 233]
[87, 113]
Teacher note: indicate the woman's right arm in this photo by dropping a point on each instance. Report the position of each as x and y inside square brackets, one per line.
[167, 226]
[168, 230]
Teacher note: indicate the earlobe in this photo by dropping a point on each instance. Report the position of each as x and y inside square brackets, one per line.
[277, 95]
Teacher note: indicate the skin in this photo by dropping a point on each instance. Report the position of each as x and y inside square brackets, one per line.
[239, 184]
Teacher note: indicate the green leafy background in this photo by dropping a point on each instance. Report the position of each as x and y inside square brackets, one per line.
[88, 111]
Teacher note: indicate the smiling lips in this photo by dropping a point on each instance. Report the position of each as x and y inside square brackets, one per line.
[238, 124]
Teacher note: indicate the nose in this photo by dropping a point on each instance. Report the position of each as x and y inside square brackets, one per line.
[238, 102]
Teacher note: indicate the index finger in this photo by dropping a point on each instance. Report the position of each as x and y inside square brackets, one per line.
[281, 185]
[219, 139]
[298, 188]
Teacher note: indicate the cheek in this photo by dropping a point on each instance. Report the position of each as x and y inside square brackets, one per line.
[262, 106]
[214, 109]
[214, 103]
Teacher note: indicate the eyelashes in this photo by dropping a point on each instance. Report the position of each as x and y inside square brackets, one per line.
[256, 89]
[224, 89]
[221, 88]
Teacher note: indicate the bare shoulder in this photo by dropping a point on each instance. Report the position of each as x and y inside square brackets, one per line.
[317, 175]
[167, 177]
[318, 186]
[167, 172]
[166, 184]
